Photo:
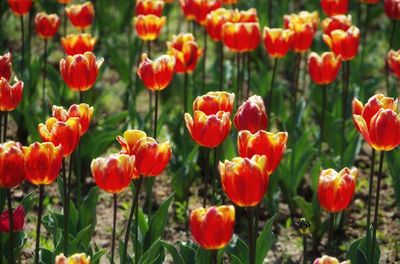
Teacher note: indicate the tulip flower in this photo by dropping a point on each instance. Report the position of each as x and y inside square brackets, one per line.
[277, 41]
[81, 15]
[47, 24]
[83, 112]
[149, 7]
[12, 171]
[10, 95]
[325, 68]
[215, 21]
[156, 75]
[330, 24]
[20, 7]
[80, 71]
[229, 2]
[188, 9]
[213, 102]
[394, 62]
[271, 145]
[203, 7]
[251, 115]
[212, 228]
[241, 36]
[6, 66]
[335, 7]
[148, 27]
[80, 258]
[344, 43]
[78, 43]
[64, 134]
[392, 9]
[208, 130]
[329, 260]
[243, 16]
[64, 2]
[304, 25]
[186, 52]
[18, 219]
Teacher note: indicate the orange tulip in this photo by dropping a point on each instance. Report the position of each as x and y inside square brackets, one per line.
[325, 68]
[186, 52]
[74, 259]
[203, 7]
[78, 43]
[12, 171]
[251, 115]
[344, 43]
[188, 9]
[378, 122]
[156, 75]
[242, 36]
[392, 9]
[149, 7]
[65, 134]
[215, 21]
[151, 157]
[277, 41]
[329, 260]
[245, 180]
[304, 25]
[208, 130]
[330, 24]
[47, 24]
[42, 162]
[114, 173]
[149, 27]
[212, 228]
[335, 7]
[80, 71]
[336, 189]
[82, 111]
[272, 145]
[10, 95]
[394, 62]
[20, 7]
[81, 15]
[6, 66]
[213, 102]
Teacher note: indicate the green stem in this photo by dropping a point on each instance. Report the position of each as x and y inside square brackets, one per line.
[295, 85]
[378, 192]
[66, 207]
[206, 172]
[248, 74]
[215, 175]
[330, 234]
[21, 18]
[214, 256]
[5, 116]
[44, 105]
[252, 255]
[203, 85]
[137, 220]
[387, 69]
[345, 95]
[11, 222]
[185, 92]
[271, 88]
[114, 227]
[364, 39]
[156, 114]
[238, 79]
[39, 223]
[371, 186]
[221, 65]
[304, 249]
[322, 123]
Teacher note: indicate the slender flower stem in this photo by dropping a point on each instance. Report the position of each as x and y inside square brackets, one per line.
[271, 88]
[371, 186]
[138, 184]
[44, 105]
[81, 97]
[185, 91]
[65, 21]
[5, 126]
[21, 18]
[238, 79]
[330, 234]
[39, 223]
[214, 256]
[378, 192]
[11, 220]
[157, 93]
[1, 126]
[66, 207]
[137, 220]
[215, 175]
[252, 246]
[304, 249]
[322, 122]
[150, 92]
[248, 74]
[364, 39]
[114, 227]
[345, 95]
[221, 65]
[387, 70]
[206, 175]
[203, 85]
[295, 85]
[72, 163]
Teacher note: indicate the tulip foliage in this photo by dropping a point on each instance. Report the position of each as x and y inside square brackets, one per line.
[195, 131]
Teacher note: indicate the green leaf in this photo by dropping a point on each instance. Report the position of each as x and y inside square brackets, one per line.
[393, 163]
[357, 252]
[203, 256]
[176, 256]
[97, 256]
[187, 251]
[238, 248]
[46, 256]
[265, 241]
[29, 201]
[150, 256]
[87, 214]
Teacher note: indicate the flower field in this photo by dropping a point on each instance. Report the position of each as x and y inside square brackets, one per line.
[199, 131]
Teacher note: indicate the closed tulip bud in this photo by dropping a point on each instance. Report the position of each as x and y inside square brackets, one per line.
[78, 43]
[213, 102]
[212, 228]
[149, 7]
[83, 112]
[42, 162]
[392, 9]
[208, 130]
[188, 9]
[271, 145]
[336, 189]
[80, 71]
[47, 25]
[344, 43]
[394, 62]
[156, 75]
[6, 66]
[245, 180]
[18, 217]
[330, 24]
[186, 52]
[148, 27]
[20, 7]
[215, 21]
[329, 260]
[74, 259]
[10, 95]
[64, 134]
[203, 7]
[251, 115]
[335, 7]
[325, 68]
[277, 41]
[81, 15]
[12, 171]
[242, 36]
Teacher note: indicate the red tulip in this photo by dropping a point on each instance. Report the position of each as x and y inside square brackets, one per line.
[78, 43]
[325, 68]
[12, 171]
[186, 52]
[251, 115]
[394, 62]
[148, 27]
[344, 43]
[213, 102]
[188, 9]
[392, 9]
[79, 258]
[149, 7]
[6, 66]
[18, 216]
[241, 36]
[304, 25]
[81, 15]
[330, 24]
[47, 24]
[10, 96]
[329, 260]
[20, 7]
[203, 7]
[335, 7]
[277, 41]
[82, 111]
[215, 21]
